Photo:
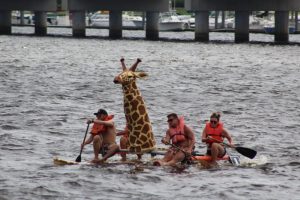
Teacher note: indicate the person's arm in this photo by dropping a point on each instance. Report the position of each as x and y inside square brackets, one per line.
[124, 132]
[109, 123]
[166, 139]
[204, 135]
[88, 141]
[228, 137]
[190, 136]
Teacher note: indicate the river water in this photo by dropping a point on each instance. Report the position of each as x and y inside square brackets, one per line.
[51, 85]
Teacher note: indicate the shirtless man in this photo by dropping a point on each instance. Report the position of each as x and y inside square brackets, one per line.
[183, 141]
[103, 136]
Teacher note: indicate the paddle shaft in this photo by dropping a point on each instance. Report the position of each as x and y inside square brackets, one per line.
[87, 128]
[178, 148]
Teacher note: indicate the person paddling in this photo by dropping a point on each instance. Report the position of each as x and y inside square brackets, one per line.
[182, 141]
[213, 135]
[103, 136]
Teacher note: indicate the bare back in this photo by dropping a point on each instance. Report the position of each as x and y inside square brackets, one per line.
[110, 136]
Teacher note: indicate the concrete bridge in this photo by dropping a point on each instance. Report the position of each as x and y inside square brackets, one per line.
[78, 10]
[152, 8]
[242, 10]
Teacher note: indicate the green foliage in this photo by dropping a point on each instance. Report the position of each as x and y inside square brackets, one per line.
[182, 11]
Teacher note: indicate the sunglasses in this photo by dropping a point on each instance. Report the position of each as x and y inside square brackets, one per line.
[171, 119]
[213, 121]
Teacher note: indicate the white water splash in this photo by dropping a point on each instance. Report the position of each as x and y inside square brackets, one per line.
[258, 161]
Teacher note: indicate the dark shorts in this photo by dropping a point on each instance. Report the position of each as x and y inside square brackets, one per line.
[208, 152]
[105, 148]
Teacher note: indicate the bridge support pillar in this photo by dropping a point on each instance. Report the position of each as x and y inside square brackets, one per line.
[115, 24]
[281, 26]
[202, 26]
[40, 23]
[5, 22]
[152, 25]
[78, 23]
[241, 26]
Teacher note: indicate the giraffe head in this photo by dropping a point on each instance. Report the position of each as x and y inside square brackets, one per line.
[127, 76]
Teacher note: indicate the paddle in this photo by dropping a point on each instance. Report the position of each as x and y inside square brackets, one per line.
[178, 148]
[78, 159]
[250, 153]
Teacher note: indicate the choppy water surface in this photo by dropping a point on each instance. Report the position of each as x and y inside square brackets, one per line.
[51, 85]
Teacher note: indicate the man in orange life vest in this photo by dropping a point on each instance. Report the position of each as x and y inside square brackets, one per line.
[212, 133]
[183, 141]
[103, 136]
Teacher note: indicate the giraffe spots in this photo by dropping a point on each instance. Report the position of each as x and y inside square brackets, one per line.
[127, 111]
[142, 109]
[140, 121]
[146, 118]
[138, 128]
[132, 139]
[143, 138]
[136, 133]
[129, 120]
[140, 99]
[135, 116]
[139, 142]
[146, 145]
[126, 105]
[134, 86]
[146, 128]
[129, 127]
[129, 97]
[134, 104]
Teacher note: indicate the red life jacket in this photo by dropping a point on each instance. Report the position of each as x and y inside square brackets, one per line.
[215, 133]
[177, 134]
[100, 128]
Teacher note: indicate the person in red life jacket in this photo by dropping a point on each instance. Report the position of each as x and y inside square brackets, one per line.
[182, 141]
[212, 133]
[103, 136]
[124, 143]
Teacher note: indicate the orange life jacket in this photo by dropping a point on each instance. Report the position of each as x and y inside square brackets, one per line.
[215, 133]
[100, 128]
[177, 134]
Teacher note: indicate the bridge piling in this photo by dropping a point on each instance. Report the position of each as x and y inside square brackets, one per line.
[241, 26]
[281, 26]
[202, 26]
[152, 28]
[78, 23]
[5, 22]
[115, 24]
[40, 23]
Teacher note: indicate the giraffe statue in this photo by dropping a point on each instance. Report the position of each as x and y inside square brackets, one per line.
[141, 137]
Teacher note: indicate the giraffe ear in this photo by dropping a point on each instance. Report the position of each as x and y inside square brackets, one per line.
[140, 74]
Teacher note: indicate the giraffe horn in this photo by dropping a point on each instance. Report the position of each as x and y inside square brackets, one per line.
[123, 64]
[134, 66]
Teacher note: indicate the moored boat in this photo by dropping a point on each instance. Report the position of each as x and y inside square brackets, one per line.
[271, 29]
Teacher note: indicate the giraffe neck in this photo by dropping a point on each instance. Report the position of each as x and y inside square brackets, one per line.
[140, 130]
[131, 89]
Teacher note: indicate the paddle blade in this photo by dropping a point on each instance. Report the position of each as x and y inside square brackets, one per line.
[78, 159]
[250, 153]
